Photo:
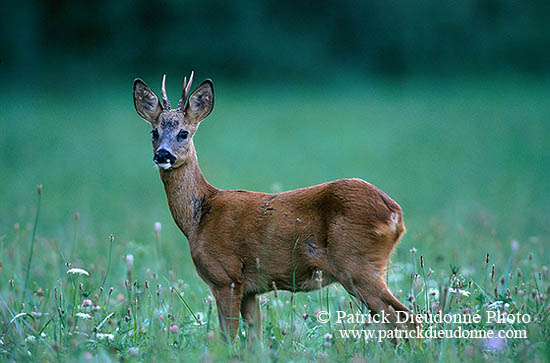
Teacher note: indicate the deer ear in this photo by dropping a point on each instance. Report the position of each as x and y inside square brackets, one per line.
[201, 102]
[146, 102]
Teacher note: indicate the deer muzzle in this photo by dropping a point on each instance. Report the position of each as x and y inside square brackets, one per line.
[164, 158]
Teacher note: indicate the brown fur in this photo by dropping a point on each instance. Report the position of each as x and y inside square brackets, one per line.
[244, 243]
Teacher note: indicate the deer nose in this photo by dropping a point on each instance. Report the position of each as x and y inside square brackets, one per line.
[163, 156]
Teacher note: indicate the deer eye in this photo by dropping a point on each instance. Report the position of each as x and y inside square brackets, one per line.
[182, 135]
[155, 134]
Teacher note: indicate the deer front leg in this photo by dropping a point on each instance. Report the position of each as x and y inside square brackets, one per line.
[228, 302]
[252, 314]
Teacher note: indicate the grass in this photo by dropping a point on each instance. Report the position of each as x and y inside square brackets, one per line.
[467, 160]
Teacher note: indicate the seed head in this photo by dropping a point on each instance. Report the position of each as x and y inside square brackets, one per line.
[76, 216]
[275, 291]
[422, 261]
[130, 262]
[412, 250]
[487, 258]
[16, 227]
[39, 189]
[111, 238]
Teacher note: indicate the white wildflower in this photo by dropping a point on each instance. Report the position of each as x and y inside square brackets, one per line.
[102, 336]
[495, 305]
[158, 227]
[78, 271]
[459, 291]
[199, 320]
[84, 316]
[30, 339]
[515, 245]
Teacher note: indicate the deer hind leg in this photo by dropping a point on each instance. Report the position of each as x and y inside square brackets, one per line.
[252, 314]
[228, 302]
[374, 293]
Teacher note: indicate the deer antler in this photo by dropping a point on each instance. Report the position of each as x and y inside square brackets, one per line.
[186, 89]
[165, 101]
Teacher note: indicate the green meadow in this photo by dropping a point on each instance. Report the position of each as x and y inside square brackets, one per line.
[468, 160]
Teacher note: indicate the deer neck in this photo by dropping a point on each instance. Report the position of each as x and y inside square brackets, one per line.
[188, 194]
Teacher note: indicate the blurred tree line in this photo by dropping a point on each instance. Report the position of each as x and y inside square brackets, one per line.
[261, 37]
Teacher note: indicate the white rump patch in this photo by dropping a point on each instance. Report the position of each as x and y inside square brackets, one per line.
[394, 220]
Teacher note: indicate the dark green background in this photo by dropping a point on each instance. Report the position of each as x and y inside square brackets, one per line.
[442, 104]
[277, 39]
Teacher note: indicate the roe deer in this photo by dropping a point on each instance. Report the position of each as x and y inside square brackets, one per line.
[247, 243]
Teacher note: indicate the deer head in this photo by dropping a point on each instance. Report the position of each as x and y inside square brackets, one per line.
[173, 129]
